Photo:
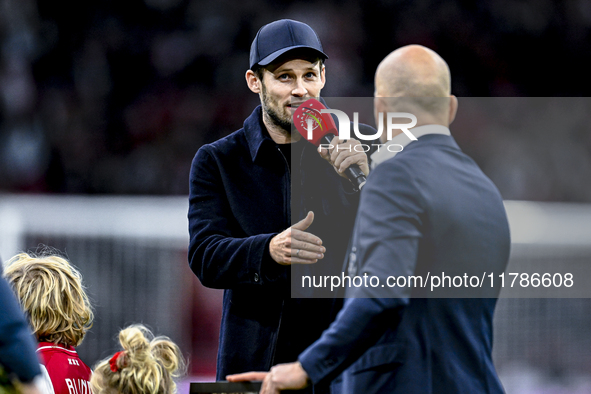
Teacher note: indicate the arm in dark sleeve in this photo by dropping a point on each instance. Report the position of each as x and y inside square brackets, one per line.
[17, 346]
[360, 323]
[219, 258]
[386, 236]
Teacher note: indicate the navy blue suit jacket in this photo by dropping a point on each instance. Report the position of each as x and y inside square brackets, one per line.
[429, 209]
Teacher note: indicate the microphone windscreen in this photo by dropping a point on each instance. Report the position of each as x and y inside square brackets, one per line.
[311, 123]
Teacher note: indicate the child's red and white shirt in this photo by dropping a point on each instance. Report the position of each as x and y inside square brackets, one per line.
[68, 374]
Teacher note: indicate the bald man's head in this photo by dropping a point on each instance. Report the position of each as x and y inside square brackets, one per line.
[413, 71]
[419, 74]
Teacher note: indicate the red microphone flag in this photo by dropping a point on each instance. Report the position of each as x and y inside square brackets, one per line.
[311, 123]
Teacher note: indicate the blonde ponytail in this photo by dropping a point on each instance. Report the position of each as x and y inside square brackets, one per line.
[145, 365]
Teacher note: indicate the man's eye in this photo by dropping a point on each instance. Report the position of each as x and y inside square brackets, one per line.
[310, 75]
[283, 76]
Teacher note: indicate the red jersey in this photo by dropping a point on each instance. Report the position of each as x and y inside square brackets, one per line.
[68, 374]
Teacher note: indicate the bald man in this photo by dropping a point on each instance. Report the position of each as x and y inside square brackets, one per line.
[425, 209]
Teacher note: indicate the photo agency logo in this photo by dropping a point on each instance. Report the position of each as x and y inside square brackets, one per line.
[315, 123]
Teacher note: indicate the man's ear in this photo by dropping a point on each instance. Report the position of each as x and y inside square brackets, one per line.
[253, 82]
[379, 111]
[323, 75]
[378, 103]
[453, 108]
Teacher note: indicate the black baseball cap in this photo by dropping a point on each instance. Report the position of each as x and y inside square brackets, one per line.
[279, 37]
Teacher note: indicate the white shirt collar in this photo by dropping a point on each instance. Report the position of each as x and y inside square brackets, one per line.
[402, 140]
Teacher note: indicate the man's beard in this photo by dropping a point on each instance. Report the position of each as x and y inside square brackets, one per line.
[273, 115]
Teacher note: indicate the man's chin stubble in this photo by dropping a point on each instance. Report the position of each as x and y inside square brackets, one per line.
[276, 120]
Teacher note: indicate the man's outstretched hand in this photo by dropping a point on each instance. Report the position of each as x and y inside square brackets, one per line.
[281, 377]
[296, 246]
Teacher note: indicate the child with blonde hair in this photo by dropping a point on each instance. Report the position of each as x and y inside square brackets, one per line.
[51, 293]
[146, 365]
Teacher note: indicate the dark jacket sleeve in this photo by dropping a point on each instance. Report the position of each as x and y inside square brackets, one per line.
[17, 346]
[219, 256]
[359, 325]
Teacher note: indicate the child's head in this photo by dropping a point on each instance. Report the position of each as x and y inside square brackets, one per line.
[51, 293]
[146, 365]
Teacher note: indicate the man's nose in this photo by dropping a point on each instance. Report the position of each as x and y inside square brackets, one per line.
[299, 90]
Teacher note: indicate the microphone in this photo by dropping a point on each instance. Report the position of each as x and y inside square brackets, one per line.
[318, 128]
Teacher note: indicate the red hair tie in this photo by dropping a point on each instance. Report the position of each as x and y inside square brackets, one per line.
[113, 361]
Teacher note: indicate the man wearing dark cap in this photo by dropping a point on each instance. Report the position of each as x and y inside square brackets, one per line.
[426, 210]
[248, 188]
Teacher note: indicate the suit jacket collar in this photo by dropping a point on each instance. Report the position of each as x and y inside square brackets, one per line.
[433, 139]
[440, 135]
[402, 140]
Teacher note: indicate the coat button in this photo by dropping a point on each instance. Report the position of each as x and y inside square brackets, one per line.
[256, 277]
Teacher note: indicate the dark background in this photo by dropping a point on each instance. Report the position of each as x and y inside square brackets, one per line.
[115, 97]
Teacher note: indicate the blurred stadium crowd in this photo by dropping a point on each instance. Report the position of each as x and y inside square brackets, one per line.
[116, 97]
